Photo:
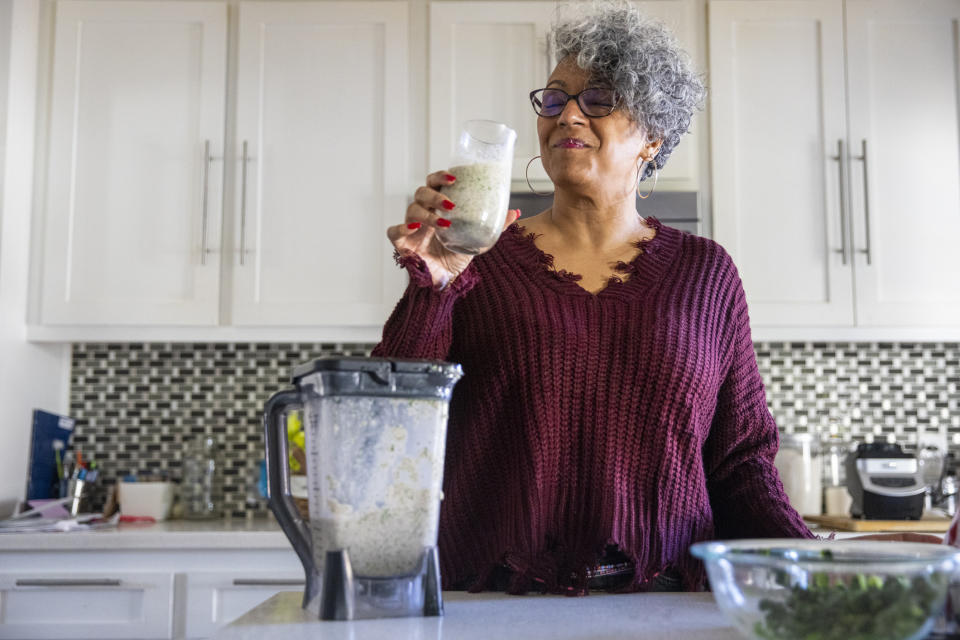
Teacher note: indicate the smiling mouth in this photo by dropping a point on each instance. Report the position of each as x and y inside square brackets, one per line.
[571, 143]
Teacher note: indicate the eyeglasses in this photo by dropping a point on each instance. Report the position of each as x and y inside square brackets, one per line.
[595, 102]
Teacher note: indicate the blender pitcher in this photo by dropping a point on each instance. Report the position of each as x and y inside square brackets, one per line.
[375, 435]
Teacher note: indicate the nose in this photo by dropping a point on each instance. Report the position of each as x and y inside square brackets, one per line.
[571, 114]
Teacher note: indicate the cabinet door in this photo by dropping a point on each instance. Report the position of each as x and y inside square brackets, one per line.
[777, 118]
[485, 59]
[86, 605]
[322, 149]
[217, 598]
[682, 171]
[134, 175]
[904, 77]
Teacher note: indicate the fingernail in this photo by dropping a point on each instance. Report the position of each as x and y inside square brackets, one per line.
[448, 205]
[443, 222]
[450, 177]
[518, 212]
[413, 225]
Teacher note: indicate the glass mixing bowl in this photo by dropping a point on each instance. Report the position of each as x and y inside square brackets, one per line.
[829, 590]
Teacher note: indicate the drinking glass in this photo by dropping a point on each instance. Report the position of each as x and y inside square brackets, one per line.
[482, 165]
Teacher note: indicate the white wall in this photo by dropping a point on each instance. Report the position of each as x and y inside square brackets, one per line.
[31, 375]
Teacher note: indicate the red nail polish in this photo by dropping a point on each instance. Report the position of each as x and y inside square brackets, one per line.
[443, 222]
[448, 205]
[450, 177]
[413, 225]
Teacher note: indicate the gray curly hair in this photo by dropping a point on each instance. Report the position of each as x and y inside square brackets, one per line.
[640, 59]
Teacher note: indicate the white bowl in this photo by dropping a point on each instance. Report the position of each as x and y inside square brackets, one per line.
[145, 499]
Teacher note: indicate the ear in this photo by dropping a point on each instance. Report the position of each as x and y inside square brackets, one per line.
[650, 149]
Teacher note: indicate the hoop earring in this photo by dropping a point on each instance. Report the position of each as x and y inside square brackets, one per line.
[526, 174]
[656, 176]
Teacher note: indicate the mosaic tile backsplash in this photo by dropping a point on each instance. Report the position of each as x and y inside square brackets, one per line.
[137, 405]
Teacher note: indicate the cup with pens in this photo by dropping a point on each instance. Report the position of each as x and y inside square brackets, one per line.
[76, 477]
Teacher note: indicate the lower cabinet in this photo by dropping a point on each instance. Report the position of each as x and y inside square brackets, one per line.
[217, 598]
[149, 594]
[67, 604]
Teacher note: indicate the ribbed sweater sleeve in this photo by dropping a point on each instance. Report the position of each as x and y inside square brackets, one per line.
[746, 495]
[421, 325]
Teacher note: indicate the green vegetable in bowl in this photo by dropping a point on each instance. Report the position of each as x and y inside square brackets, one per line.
[857, 608]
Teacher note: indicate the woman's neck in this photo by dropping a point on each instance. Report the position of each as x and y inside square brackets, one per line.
[597, 225]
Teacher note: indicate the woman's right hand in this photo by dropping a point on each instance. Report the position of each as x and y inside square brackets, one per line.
[418, 232]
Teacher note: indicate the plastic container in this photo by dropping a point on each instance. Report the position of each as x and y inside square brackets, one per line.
[773, 589]
[201, 489]
[145, 499]
[800, 467]
[481, 192]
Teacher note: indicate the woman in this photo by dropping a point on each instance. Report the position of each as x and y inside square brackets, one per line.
[611, 412]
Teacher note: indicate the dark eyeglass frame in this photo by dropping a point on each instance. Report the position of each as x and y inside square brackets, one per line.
[537, 96]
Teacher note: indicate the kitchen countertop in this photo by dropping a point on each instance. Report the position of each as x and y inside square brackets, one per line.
[237, 533]
[599, 616]
[263, 533]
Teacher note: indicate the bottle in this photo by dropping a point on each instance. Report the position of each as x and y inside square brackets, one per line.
[202, 485]
[836, 497]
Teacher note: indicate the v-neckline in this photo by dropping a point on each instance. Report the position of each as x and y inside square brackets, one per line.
[632, 271]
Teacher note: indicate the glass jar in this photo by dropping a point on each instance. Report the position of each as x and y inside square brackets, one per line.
[836, 498]
[202, 485]
[801, 470]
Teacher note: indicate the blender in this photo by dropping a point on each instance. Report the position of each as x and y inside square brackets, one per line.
[375, 436]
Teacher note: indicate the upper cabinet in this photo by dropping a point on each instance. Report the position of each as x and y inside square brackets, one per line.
[135, 170]
[138, 166]
[904, 160]
[486, 57]
[835, 160]
[321, 152]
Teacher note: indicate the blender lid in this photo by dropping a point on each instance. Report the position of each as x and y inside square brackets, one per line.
[354, 375]
[374, 365]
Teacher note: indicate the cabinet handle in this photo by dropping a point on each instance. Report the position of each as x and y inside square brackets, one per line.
[207, 159]
[243, 203]
[866, 198]
[68, 582]
[267, 582]
[843, 202]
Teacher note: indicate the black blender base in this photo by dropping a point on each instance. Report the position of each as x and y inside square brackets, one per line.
[345, 596]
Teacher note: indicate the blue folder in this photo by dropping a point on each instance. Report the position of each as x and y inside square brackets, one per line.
[42, 480]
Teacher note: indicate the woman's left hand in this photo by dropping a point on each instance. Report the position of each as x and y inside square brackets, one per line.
[902, 537]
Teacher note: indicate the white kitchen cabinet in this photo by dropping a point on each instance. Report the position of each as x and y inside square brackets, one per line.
[486, 57]
[86, 604]
[135, 173]
[800, 91]
[321, 146]
[181, 580]
[136, 245]
[216, 598]
[905, 160]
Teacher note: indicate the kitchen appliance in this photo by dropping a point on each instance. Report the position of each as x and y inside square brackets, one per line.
[375, 436]
[885, 482]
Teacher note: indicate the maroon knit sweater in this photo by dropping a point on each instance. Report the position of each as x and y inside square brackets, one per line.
[634, 417]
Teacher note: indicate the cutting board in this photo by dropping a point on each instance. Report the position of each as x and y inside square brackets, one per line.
[846, 523]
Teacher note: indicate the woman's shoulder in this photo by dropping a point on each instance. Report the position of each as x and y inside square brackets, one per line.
[699, 250]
